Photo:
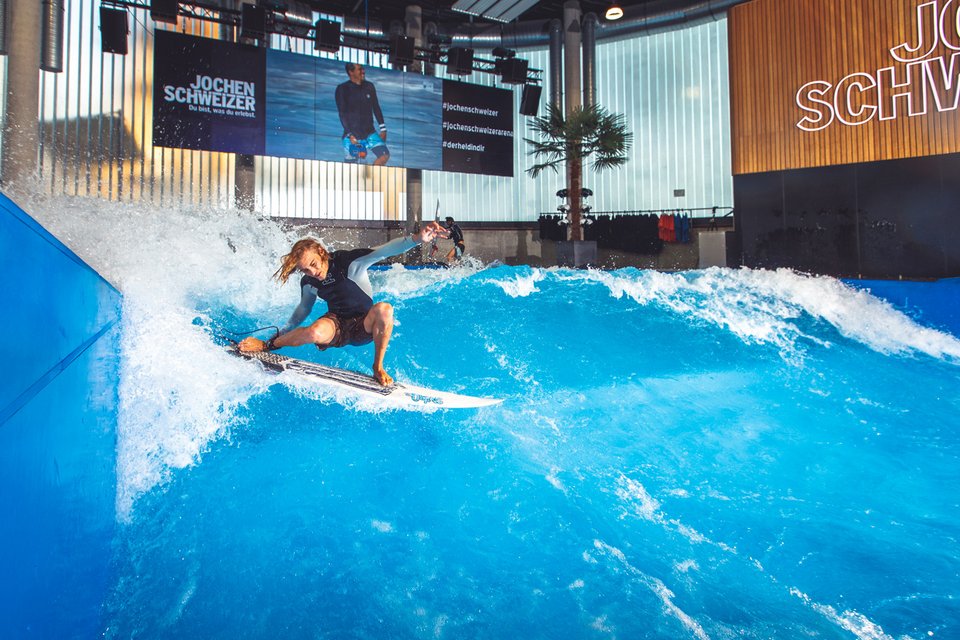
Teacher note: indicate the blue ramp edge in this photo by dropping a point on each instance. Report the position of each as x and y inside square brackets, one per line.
[58, 433]
[53, 303]
[932, 304]
[10, 207]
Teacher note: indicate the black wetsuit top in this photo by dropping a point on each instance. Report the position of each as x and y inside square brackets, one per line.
[456, 233]
[344, 297]
[357, 105]
[346, 288]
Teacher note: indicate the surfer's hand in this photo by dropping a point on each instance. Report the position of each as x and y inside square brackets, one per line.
[430, 231]
[381, 376]
[251, 344]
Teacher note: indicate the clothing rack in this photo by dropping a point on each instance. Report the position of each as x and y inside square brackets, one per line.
[638, 231]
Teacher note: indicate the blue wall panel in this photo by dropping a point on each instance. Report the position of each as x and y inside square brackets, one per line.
[932, 304]
[53, 303]
[58, 409]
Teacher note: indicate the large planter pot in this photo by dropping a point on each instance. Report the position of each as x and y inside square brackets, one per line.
[577, 253]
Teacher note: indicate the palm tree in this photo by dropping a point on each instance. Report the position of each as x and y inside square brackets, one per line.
[584, 132]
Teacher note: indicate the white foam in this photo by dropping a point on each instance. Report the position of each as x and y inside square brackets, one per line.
[382, 526]
[666, 597]
[555, 481]
[856, 623]
[638, 502]
[516, 368]
[520, 286]
[766, 307]
[178, 390]
[600, 624]
[644, 505]
[658, 588]
[399, 282]
[173, 402]
[686, 566]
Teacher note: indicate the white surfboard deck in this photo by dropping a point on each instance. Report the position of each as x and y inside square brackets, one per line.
[398, 394]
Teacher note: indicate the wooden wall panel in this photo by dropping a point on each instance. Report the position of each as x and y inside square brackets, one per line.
[779, 46]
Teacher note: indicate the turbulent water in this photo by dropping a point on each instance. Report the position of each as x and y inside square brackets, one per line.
[710, 454]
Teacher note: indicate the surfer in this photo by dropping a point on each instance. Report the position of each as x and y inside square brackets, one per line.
[456, 234]
[341, 279]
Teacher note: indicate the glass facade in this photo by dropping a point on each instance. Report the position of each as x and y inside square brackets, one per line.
[673, 90]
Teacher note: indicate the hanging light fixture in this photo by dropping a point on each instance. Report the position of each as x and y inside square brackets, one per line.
[614, 12]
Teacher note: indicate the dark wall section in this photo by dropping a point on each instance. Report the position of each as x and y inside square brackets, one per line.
[891, 219]
[58, 416]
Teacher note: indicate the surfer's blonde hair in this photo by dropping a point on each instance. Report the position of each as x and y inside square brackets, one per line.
[289, 262]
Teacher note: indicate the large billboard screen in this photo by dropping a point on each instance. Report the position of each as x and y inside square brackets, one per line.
[208, 95]
[219, 96]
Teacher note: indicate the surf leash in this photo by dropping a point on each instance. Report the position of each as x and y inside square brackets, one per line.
[253, 331]
[241, 334]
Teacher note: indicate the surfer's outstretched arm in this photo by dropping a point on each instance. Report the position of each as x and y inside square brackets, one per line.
[357, 271]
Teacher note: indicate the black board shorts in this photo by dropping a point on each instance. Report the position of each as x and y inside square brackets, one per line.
[350, 331]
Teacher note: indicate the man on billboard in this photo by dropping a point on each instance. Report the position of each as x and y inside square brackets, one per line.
[358, 105]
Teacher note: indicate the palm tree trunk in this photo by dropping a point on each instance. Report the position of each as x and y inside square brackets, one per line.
[574, 185]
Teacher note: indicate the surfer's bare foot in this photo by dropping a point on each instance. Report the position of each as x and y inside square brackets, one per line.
[381, 376]
[251, 345]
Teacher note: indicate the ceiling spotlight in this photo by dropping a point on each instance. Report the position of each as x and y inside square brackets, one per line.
[503, 52]
[614, 12]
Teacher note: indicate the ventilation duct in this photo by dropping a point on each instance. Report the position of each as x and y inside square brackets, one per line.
[511, 36]
[51, 43]
[359, 28]
[3, 27]
[296, 18]
[555, 30]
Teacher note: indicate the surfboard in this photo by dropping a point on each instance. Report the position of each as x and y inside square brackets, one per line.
[398, 394]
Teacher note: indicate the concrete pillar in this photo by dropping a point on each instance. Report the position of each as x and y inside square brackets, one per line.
[244, 182]
[20, 130]
[244, 165]
[414, 29]
[571, 68]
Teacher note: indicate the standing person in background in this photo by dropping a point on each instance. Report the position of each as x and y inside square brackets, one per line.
[358, 105]
[456, 234]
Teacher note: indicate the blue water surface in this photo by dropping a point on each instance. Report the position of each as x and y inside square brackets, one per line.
[714, 454]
